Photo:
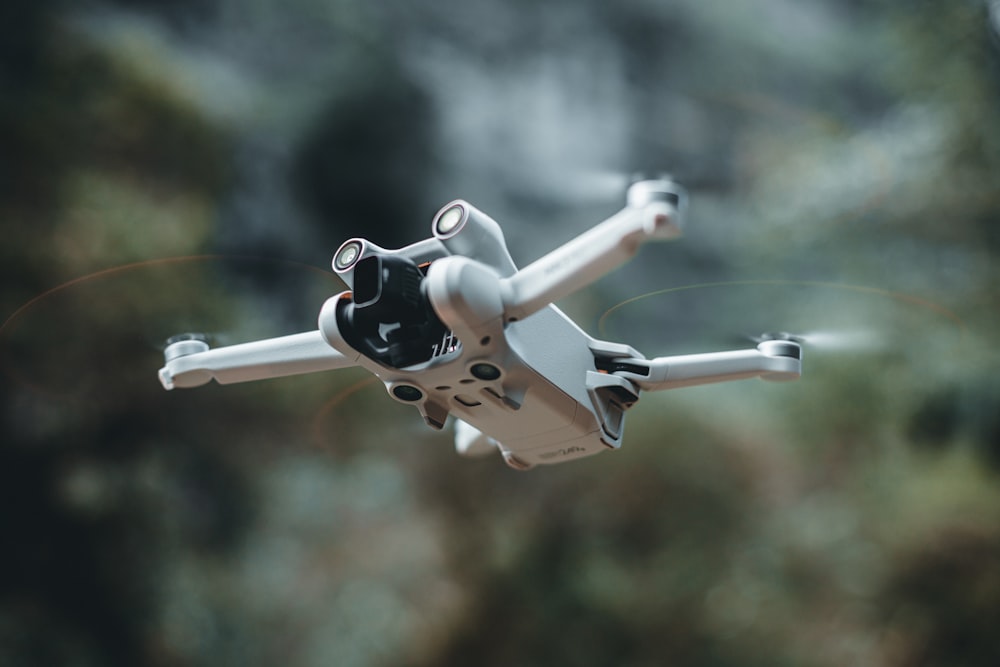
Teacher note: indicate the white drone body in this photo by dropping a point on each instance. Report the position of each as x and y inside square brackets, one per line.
[452, 327]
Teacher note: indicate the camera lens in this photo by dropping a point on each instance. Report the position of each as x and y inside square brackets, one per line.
[449, 220]
[347, 255]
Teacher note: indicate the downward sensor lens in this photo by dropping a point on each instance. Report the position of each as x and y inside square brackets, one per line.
[485, 371]
[405, 392]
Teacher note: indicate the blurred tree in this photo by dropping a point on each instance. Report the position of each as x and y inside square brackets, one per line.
[943, 599]
[369, 160]
[83, 536]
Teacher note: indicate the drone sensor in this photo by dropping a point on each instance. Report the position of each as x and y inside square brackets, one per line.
[347, 255]
[449, 220]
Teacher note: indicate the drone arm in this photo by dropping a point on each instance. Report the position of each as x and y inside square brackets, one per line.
[771, 360]
[590, 256]
[191, 363]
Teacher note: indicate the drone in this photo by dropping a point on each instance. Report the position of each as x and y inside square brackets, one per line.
[452, 327]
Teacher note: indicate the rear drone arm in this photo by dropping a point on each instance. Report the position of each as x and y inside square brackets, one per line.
[191, 363]
[653, 212]
[776, 360]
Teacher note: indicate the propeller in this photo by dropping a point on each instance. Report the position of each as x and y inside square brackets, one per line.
[825, 317]
[95, 336]
[857, 340]
[581, 186]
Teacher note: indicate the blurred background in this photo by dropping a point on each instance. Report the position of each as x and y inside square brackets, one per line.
[191, 166]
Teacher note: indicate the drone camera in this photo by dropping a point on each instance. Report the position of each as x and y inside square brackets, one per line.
[388, 317]
[367, 282]
[387, 283]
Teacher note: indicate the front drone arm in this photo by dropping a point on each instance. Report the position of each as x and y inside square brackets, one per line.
[190, 363]
[653, 212]
[775, 360]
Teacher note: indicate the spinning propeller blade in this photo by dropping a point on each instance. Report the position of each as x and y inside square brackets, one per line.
[95, 336]
[826, 317]
[855, 340]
